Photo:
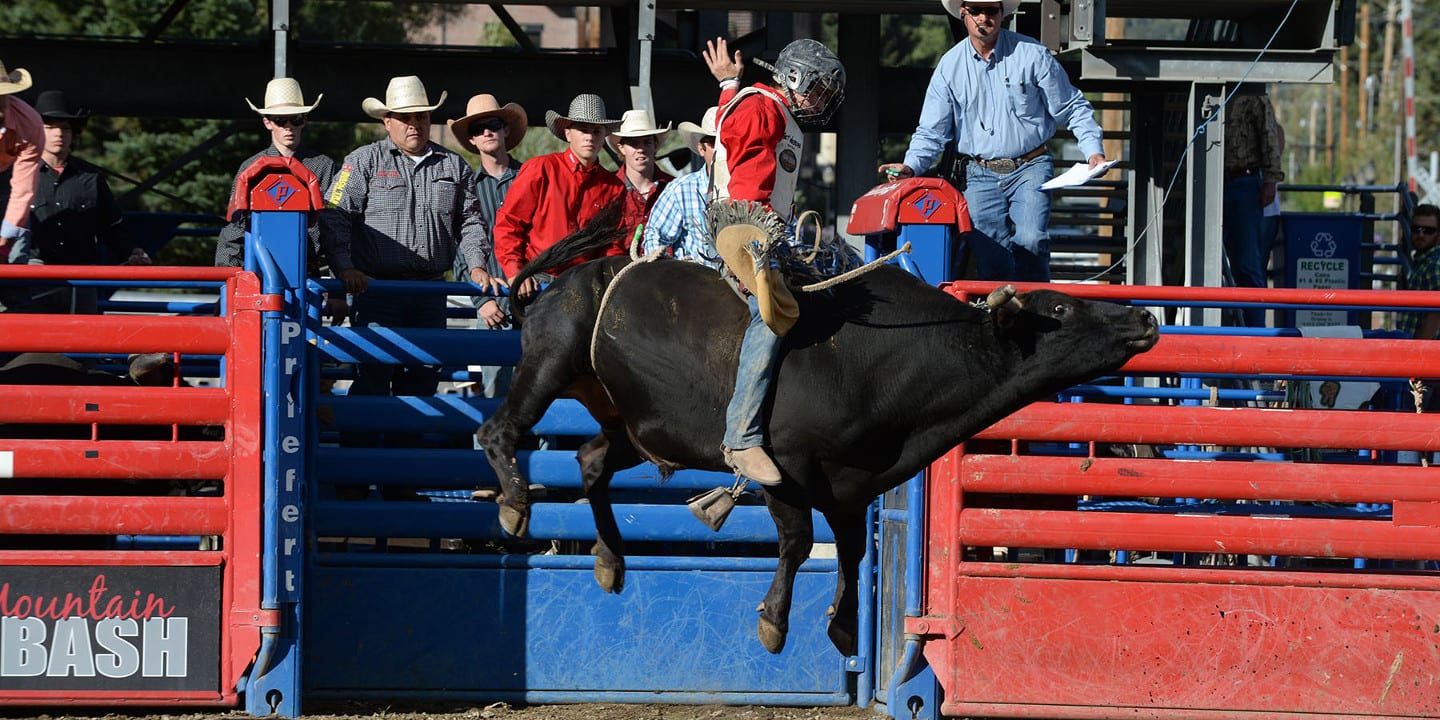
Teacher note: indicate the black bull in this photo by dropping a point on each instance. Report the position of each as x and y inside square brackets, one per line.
[882, 375]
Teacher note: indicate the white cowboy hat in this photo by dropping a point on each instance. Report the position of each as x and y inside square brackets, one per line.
[13, 82]
[405, 94]
[283, 97]
[587, 109]
[483, 106]
[1007, 7]
[692, 132]
[637, 124]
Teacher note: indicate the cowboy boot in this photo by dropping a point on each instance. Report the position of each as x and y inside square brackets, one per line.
[753, 463]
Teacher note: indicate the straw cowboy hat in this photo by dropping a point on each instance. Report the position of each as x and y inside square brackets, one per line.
[1007, 7]
[692, 133]
[13, 82]
[636, 124]
[405, 94]
[584, 109]
[481, 107]
[283, 97]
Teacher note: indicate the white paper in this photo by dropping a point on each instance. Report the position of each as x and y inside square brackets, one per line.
[1078, 174]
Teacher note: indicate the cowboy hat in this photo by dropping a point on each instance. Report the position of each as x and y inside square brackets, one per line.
[636, 124]
[692, 132]
[51, 105]
[1007, 7]
[585, 109]
[405, 94]
[484, 106]
[13, 82]
[283, 97]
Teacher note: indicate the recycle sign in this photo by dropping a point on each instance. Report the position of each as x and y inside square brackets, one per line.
[1323, 246]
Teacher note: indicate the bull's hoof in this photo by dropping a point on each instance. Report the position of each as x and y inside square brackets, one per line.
[514, 522]
[771, 636]
[610, 578]
[842, 637]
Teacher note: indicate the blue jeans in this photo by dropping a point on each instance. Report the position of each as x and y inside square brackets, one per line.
[1011, 215]
[1245, 245]
[759, 353]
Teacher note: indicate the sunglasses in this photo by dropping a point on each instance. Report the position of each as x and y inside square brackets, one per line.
[1424, 229]
[479, 127]
[983, 9]
[288, 120]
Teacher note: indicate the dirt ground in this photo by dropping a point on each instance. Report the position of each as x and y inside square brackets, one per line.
[498, 711]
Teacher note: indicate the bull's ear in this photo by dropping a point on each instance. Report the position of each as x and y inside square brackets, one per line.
[1004, 304]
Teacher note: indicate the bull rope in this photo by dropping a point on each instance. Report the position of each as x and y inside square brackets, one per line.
[857, 272]
[635, 261]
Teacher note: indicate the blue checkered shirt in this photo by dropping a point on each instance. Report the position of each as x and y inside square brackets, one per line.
[677, 222]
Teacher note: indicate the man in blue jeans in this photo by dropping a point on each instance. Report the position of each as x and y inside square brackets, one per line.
[999, 95]
[1252, 169]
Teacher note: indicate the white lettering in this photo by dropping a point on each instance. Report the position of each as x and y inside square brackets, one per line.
[70, 653]
[290, 480]
[289, 405]
[290, 544]
[165, 640]
[288, 332]
[289, 581]
[290, 513]
[290, 364]
[290, 444]
[22, 647]
[123, 660]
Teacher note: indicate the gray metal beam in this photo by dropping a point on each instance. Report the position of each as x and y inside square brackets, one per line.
[1151, 64]
[516, 31]
[1204, 210]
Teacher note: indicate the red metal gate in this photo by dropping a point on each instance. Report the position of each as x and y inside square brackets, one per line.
[130, 516]
[1305, 634]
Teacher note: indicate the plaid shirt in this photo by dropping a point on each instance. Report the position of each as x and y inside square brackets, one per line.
[396, 219]
[677, 222]
[1425, 275]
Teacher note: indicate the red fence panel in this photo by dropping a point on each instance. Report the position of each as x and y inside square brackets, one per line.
[1284, 626]
[130, 540]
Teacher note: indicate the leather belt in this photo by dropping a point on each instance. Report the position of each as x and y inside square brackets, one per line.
[1005, 166]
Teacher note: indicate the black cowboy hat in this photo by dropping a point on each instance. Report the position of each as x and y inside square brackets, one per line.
[51, 104]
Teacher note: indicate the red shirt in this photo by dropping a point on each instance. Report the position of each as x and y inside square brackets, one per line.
[551, 197]
[637, 206]
[751, 133]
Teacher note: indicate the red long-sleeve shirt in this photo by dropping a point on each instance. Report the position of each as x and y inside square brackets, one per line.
[638, 206]
[750, 133]
[22, 136]
[553, 196]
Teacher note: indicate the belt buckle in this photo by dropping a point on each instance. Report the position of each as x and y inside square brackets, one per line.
[1002, 166]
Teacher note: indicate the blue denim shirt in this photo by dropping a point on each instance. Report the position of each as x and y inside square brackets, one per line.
[999, 107]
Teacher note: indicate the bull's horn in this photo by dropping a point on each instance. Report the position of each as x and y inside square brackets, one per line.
[1004, 297]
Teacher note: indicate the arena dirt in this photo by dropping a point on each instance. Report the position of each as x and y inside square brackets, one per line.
[499, 711]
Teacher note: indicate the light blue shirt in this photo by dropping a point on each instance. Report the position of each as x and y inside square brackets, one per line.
[677, 221]
[1000, 107]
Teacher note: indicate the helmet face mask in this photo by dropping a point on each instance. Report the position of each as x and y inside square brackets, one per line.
[813, 80]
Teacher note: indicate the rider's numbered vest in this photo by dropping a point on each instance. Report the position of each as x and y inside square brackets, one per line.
[787, 155]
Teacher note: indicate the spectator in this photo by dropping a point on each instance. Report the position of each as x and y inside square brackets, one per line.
[492, 131]
[1424, 270]
[403, 207]
[73, 212]
[1252, 169]
[757, 159]
[22, 135]
[284, 114]
[556, 194]
[637, 140]
[677, 220]
[998, 95]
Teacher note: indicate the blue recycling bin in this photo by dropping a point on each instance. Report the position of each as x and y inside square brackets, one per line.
[1322, 252]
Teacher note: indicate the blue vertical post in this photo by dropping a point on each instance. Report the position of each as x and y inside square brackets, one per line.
[276, 248]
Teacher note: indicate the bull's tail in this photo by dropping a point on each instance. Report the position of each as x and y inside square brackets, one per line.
[587, 242]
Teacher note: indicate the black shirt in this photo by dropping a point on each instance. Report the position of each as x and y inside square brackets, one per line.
[73, 214]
